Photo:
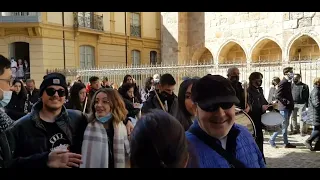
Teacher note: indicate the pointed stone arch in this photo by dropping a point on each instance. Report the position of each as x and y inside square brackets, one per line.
[202, 55]
[303, 46]
[232, 51]
[266, 50]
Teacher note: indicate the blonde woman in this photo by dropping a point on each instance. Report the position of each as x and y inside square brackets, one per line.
[105, 143]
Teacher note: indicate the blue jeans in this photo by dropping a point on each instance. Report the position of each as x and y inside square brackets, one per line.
[286, 115]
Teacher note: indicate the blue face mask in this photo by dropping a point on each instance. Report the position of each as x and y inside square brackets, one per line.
[6, 98]
[104, 119]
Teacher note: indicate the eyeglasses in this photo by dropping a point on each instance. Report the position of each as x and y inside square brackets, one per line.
[52, 92]
[9, 81]
[215, 107]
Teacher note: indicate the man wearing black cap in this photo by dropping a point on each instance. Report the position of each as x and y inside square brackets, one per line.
[50, 136]
[217, 140]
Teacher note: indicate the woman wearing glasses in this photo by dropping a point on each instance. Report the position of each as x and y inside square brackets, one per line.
[5, 93]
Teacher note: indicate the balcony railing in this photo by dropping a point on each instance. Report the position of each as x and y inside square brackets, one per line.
[92, 21]
[135, 30]
[20, 17]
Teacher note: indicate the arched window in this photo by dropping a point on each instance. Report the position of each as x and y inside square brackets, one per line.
[87, 57]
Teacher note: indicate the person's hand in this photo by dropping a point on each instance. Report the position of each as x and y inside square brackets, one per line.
[129, 127]
[265, 107]
[63, 159]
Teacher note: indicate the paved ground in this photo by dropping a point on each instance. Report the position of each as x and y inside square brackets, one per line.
[299, 157]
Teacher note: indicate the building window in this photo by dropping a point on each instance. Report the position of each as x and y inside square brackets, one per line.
[153, 57]
[135, 56]
[86, 57]
[18, 13]
[135, 24]
[85, 19]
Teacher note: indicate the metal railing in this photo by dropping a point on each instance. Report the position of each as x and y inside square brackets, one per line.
[93, 21]
[20, 17]
[308, 70]
[19, 14]
[135, 30]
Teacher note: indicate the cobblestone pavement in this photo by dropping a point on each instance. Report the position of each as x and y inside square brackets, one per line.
[299, 157]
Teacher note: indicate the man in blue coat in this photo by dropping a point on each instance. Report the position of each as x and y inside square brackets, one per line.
[215, 139]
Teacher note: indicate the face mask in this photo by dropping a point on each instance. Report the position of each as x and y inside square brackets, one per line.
[6, 98]
[234, 78]
[290, 75]
[104, 119]
[167, 96]
[258, 83]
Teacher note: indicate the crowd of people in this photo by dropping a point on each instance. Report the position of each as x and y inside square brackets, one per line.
[102, 126]
[20, 69]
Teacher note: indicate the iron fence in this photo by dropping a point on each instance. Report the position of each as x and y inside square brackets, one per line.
[309, 69]
[88, 20]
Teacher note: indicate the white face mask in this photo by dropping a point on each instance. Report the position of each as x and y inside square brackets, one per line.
[6, 98]
[290, 76]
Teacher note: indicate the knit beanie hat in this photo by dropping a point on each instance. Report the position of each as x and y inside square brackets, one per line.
[56, 79]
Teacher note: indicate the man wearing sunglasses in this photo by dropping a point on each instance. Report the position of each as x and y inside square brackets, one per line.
[50, 136]
[217, 140]
[5, 92]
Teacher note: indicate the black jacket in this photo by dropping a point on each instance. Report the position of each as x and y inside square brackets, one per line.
[69, 105]
[256, 100]
[314, 106]
[33, 98]
[153, 103]
[240, 94]
[132, 112]
[300, 93]
[284, 95]
[24, 144]
[16, 106]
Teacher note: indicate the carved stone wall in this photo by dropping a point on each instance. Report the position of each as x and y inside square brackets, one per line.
[262, 36]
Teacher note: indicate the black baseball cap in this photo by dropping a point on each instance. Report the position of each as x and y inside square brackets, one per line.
[212, 90]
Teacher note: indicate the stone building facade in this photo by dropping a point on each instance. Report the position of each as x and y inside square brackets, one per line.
[243, 37]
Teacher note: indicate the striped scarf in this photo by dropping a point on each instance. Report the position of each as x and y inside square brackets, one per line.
[95, 150]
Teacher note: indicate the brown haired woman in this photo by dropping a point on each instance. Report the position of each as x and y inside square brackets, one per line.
[105, 143]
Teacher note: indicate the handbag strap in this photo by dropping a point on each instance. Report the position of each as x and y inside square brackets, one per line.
[233, 162]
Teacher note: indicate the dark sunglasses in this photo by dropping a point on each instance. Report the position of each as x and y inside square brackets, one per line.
[215, 107]
[52, 92]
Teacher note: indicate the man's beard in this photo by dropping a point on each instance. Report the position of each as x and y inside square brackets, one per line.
[50, 108]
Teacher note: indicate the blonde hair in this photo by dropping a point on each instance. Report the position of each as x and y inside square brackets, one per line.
[316, 81]
[117, 105]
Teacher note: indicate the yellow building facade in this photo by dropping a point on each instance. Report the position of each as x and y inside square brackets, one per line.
[49, 40]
